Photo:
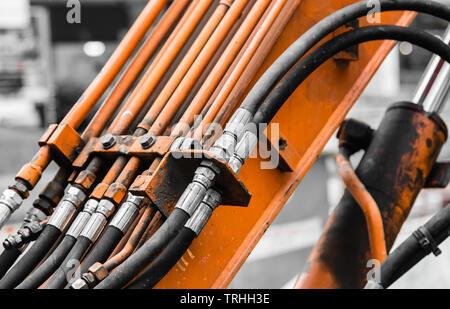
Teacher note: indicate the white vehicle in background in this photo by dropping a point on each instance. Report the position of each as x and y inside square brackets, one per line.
[26, 84]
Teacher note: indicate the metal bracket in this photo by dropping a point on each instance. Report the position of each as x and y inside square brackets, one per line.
[64, 141]
[129, 146]
[176, 170]
[352, 53]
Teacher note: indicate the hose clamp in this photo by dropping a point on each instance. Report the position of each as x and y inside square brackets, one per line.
[426, 241]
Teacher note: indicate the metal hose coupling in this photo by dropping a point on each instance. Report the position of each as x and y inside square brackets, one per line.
[98, 220]
[28, 231]
[243, 150]
[10, 200]
[204, 178]
[204, 211]
[82, 218]
[67, 208]
[128, 212]
[224, 147]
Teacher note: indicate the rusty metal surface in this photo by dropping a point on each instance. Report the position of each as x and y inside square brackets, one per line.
[307, 121]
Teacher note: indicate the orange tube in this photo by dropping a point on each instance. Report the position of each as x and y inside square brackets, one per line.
[368, 206]
[223, 64]
[132, 243]
[124, 110]
[139, 62]
[240, 67]
[149, 83]
[118, 59]
[31, 173]
[185, 65]
[196, 69]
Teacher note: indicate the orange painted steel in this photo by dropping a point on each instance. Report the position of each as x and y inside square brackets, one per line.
[158, 68]
[184, 66]
[368, 205]
[240, 67]
[132, 243]
[196, 69]
[307, 121]
[138, 63]
[225, 61]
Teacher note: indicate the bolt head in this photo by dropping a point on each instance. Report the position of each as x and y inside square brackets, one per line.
[147, 141]
[108, 141]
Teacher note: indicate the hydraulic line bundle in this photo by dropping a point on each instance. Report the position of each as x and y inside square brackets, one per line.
[139, 189]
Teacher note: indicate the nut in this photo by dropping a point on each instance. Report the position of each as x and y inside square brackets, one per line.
[147, 140]
[79, 284]
[74, 195]
[135, 199]
[99, 271]
[108, 141]
[212, 198]
[106, 208]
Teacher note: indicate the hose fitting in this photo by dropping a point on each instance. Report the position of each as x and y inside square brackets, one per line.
[63, 214]
[204, 211]
[128, 212]
[83, 218]
[10, 201]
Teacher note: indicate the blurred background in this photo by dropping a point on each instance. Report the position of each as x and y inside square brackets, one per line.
[46, 63]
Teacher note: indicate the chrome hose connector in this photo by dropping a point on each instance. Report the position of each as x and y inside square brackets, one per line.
[67, 208]
[204, 211]
[128, 212]
[82, 219]
[98, 220]
[225, 145]
[243, 150]
[10, 200]
[204, 178]
[94, 226]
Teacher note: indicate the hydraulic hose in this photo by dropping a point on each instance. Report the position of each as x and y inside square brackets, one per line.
[132, 266]
[103, 249]
[31, 258]
[319, 31]
[46, 269]
[416, 247]
[7, 259]
[311, 62]
[70, 263]
[165, 261]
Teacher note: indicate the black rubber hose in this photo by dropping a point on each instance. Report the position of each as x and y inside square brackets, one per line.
[132, 266]
[410, 252]
[311, 62]
[7, 259]
[165, 261]
[103, 249]
[69, 265]
[31, 258]
[319, 31]
[46, 269]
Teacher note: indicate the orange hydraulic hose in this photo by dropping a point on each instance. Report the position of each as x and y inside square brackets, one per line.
[368, 206]
[133, 241]
[226, 60]
[31, 172]
[123, 112]
[118, 59]
[195, 71]
[240, 67]
[248, 75]
[132, 72]
[151, 80]
[185, 64]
